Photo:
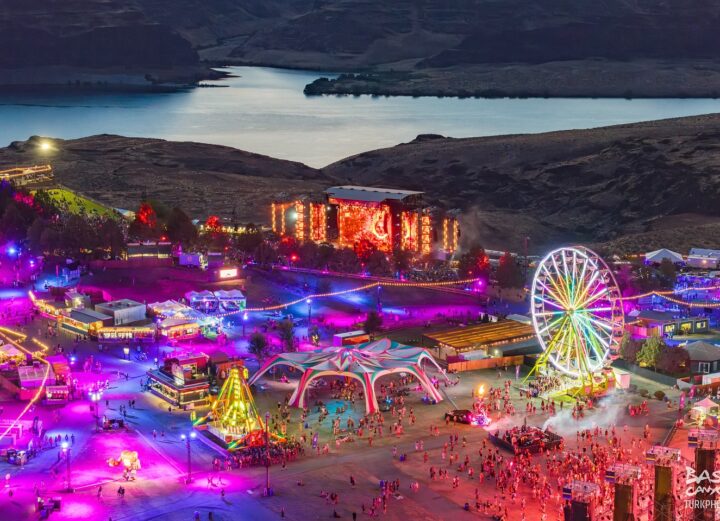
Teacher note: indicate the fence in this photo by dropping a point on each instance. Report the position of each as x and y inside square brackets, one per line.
[485, 363]
[660, 378]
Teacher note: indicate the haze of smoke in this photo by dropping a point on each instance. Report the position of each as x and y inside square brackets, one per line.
[607, 413]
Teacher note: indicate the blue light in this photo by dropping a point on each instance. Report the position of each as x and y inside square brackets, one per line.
[11, 250]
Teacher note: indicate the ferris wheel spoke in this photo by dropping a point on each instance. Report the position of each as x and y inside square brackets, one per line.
[595, 336]
[558, 274]
[552, 293]
[590, 285]
[550, 325]
[551, 303]
[592, 299]
[559, 293]
[600, 323]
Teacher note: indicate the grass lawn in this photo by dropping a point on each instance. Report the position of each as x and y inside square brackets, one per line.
[77, 204]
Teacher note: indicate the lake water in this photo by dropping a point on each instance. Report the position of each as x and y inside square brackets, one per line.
[265, 111]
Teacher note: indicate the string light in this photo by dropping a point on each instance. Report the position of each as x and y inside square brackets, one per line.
[44, 349]
[665, 294]
[353, 290]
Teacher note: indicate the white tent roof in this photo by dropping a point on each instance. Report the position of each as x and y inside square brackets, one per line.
[663, 253]
[199, 295]
[706, 403]
[233, 294]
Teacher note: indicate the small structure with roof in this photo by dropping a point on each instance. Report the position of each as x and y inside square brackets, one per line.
[703, 258]
[123, 311]
[647, 323]
[487, 339]
[84, 321]
[657, 256]
[704, 357]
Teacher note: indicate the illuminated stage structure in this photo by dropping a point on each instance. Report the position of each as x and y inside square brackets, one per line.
[578, 318]
[624, 478]
[351, 216]
[27, 175]
[704, 483]
[669, 484]
[234, 418]
[583, 501]
[365, 363]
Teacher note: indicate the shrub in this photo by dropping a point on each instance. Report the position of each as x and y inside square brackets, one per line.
[644, 393]
[659, 395]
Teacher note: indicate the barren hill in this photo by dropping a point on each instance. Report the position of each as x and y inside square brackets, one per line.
[201, 179]
[632, 187]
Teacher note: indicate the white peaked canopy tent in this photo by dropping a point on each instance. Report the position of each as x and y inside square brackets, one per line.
[657, 256]
[363, 362]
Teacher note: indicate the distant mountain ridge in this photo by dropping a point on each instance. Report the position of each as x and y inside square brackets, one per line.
[484, 44]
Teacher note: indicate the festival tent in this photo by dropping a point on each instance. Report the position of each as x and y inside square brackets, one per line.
[703, 408]
[657, 256]
[231, 300]
[364, 362]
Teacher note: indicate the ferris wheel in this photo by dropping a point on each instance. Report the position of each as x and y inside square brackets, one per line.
[576, 311]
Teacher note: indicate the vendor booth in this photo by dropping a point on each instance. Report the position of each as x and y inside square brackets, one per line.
[231, 300]
[703, 410]
[204, 301]
[140, 333]
[179, 328]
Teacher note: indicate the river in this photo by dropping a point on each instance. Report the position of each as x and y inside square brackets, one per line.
[265, 111]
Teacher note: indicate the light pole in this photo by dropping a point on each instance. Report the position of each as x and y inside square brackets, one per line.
[244, 321]
[187, 439]
[96, 396]
[66, 449]
[309, 303]
[267, 454]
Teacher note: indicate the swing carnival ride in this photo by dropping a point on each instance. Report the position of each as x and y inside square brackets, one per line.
[577, 314]
[234, 418]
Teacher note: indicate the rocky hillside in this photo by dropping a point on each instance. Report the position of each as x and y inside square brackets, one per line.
[202, 179]
[449, 47]
[628, 187]
[589, 185]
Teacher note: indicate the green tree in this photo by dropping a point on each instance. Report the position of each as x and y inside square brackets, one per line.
[258, 345]
[508, 272]
[474, 263]
[373, 323]
[286, 331]
[180, 228]
[314, 334]
[401, 260]
[12, 225]
[249, 241]
[629, 348]
[345, 260]
[34, 234]
[668, 273]
[265, 255]
[673, 360]
[650, 351]
[378, 265]
[112, 237]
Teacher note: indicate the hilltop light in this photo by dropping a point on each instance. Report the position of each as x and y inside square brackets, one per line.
[45, 146]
